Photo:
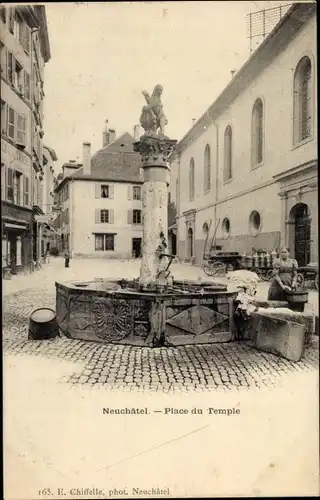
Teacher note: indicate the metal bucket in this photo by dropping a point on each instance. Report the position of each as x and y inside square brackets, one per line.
[297, 300]
[43, 324]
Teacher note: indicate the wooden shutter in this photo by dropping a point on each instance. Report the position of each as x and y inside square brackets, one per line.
[4, 118]
[3, 181]
[97, 216]
[130, 192]
[10, 67]
[27, 85]
[10, 184]
[111, 191]
[21, 130]
[11, 19]
[4, 62]
[111, 216]
[98, 190]
[130, 216]
[26, 45]
[11, 123]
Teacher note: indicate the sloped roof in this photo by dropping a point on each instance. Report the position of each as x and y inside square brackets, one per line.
[281, 35]
[115, 162]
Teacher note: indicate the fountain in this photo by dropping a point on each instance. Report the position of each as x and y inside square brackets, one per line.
[155, 309]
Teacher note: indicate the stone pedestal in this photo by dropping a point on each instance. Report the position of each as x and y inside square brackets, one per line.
[155, 152]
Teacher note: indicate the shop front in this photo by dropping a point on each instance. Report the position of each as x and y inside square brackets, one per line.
[16, 238]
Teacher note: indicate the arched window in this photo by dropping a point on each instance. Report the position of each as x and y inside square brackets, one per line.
[257, 133]
[207, 169]
[302, 97]
[227, 153]
[191, 179]
[190, 243]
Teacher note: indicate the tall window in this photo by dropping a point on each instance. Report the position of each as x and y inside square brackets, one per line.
[207, 168]
[17, 187]
[137, 192]
[227, 171]
[257, 133]
[104, 242]
[10, 196]
[136, 217]
[191, 179]
[104, 216]
[302, 112]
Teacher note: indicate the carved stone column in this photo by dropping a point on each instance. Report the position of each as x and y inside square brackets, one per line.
[155, 151]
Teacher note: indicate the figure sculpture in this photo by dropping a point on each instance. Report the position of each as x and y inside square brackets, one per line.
[152, 118]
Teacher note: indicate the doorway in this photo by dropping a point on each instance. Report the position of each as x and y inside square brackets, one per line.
[300, 240]
[136, 247]
[190, 243]
[173, 243]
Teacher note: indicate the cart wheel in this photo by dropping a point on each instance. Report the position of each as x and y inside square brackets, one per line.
[269, 275]
[215, 268]
[257, 271]
[300, 280]
[316, 281]
[264, 275]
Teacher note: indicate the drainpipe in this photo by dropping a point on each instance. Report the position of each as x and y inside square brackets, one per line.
[178, 207]
[217, 175]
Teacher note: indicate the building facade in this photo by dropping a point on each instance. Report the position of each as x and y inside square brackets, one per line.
[49, 159]
[247, 170]
[101, 202]
[24, 50]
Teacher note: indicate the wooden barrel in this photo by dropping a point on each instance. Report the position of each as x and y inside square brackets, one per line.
[43, 324]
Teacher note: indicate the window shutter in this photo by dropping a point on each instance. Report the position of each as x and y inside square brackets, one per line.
[4, 62]
[130, 216]
[21, 127]
[11, 123]
[130, 192]
[3, 181]
[97, 216]
[27, 85]
[10, 67]
[111, 191]
[111, 216]
[4, 119]
[98, 191]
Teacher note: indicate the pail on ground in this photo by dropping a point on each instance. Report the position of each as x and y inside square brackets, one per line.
[43, 324]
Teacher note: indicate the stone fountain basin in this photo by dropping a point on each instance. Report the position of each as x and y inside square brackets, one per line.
[116, 311]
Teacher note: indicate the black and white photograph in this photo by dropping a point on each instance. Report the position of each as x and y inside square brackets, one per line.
[160, 275]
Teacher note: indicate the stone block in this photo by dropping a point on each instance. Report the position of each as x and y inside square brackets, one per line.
[279, 335]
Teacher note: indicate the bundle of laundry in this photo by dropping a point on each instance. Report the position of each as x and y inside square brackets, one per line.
[246, 281]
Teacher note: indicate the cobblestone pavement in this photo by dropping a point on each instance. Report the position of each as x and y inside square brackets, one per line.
[203, 367]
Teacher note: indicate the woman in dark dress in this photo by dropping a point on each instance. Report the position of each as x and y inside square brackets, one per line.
[285, 271]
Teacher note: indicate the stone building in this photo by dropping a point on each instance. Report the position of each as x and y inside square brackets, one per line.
[24, 50]
[49, 159]
[249, 165]
[101, 201]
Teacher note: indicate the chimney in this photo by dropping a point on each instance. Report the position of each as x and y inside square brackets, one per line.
[233, 71]
[136, 132]
[108, 135]
[86, 158]
[193, 121]
[112, 133]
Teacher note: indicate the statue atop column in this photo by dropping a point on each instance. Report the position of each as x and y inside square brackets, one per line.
[152, 118]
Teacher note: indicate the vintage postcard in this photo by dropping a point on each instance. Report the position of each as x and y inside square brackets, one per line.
[159, 209]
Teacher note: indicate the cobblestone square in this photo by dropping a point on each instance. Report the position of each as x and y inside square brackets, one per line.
[229, 366]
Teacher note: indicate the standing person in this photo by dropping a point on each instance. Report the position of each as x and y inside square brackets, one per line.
[66, 258]
[285, 272]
